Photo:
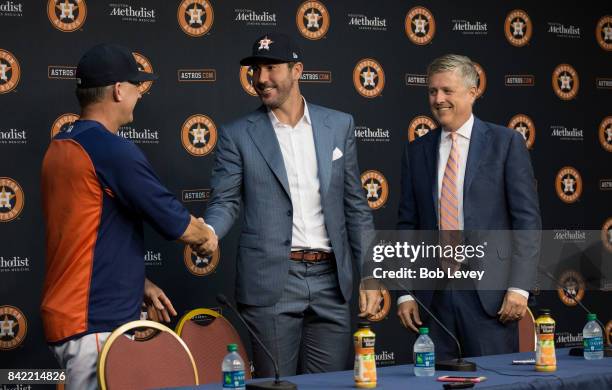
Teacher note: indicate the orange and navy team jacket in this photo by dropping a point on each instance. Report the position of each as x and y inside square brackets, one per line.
[97, 188]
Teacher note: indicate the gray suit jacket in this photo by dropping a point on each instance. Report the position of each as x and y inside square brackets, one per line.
[249, 171]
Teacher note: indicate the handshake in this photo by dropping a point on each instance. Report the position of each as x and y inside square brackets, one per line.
[200, 237]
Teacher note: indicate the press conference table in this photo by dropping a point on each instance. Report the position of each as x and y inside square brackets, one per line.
[572, 373]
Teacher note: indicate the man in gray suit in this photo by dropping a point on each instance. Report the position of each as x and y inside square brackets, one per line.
[293, 167]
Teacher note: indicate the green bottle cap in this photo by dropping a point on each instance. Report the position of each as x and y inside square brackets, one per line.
[424, 330]
[232, 347]
[591, 317]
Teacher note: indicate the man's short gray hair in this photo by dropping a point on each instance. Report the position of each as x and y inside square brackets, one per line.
[87, 96]
[450, 62]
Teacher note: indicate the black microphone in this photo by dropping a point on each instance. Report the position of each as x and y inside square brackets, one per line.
[458, 364]
[577, 351]
[277, 384]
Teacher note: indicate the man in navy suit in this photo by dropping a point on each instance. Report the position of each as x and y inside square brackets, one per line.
[292, 166]
[470, 175]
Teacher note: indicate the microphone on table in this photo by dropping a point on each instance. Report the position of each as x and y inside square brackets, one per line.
[276, 384]
[577, 351]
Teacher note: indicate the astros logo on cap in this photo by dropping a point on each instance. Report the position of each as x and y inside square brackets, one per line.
[13, 327]
[565, 82]
[524, 125]
[199, 135]
[377, 188]
[605, 133]
[572, 282]
[9, 71]
[420, 126]
[518, 28]
[200, 266]
[603, 32]
[195, 17]
[62, 123]
[482, 80]
[67, 15]
[420, 25]
[11, 199]
[246, 80]
[312, 19]
[568, 184]
[264, 44]
[368, 78]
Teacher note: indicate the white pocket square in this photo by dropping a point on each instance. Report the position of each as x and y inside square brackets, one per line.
[336, 154]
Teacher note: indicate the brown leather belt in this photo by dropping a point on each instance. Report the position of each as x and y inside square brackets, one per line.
[311, 256]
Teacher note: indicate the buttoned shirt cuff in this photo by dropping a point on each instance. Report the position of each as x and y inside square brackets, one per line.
[519, 291]
[404, 298]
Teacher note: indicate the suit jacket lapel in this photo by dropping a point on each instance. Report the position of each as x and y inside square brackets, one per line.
[478, 142]
[263, 136]
[324, 144]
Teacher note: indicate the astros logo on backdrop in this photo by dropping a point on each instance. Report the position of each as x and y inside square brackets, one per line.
[606, 234]
[62, 123]
[377, 188]
[524, 125]
[573, 282]
[605, 133]
[13, 327]
[144, 65]
[565, 82]
[369, 78]
[199, 135]
[195, 17]
[67, 15]
[200, 266]
[482, 80]
[420, 25]
[312, 19]
[385, 306]
[603, 32]
[518, 28]
[246, 80]
[568, 184]
[420, 126]
[11, 199]
[10, 72]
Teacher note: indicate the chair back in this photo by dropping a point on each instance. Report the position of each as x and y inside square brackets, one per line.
[207, 334]
[162, 360]
[527, 333]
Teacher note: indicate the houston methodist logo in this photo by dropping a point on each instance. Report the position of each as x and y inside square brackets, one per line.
[606, 234]
[13, 327]
[603, 32]
[420, 126]
[565, 82]
[605, 133]
[9, 71]
[199, 135]
[312, 19]
[377, 188]
[518, 28]
[246, 80]
[568, 184]
[369, 78]
[195, 17]
[385, 306]
[482, 80]
[62, 123]
[67, 15]
[524, 125]
[11, 199]
[571, 287]
[200, 266]
[144, 65]
[420, 25]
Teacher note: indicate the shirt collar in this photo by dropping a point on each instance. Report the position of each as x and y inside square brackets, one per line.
[465, 130]
[306, 117]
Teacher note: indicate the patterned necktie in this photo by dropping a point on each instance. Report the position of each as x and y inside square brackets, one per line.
[449, 206]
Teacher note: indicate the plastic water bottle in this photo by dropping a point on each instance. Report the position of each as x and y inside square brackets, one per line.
[592, 338]
[233, 369]
[424, 354]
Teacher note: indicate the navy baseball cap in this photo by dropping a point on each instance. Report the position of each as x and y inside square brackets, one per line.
[273, 47]
[106, 64]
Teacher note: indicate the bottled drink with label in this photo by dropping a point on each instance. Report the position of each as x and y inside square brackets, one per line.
[365, 359]
[424, 354]
[233, 369]
[592, 338]
[546, 360]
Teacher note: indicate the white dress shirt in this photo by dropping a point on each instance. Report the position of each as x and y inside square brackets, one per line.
[300, 158]
[463, 144]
